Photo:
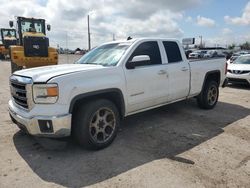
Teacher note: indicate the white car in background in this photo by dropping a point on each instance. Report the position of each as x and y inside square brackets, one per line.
[232, 59]
[236, 55]
[239, 70]
[242, 53]
[210, 53]
[195, 55]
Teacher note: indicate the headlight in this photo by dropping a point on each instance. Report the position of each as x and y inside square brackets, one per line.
[45, 93]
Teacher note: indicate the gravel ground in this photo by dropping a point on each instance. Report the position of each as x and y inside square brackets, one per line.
[178, 145]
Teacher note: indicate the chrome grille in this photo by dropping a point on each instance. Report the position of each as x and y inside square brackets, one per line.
[18, 88]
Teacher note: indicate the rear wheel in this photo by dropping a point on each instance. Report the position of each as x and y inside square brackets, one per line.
[95, 124]
[15, 67]
[208, 97]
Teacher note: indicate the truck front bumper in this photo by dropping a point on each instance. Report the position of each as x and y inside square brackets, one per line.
[47, 126]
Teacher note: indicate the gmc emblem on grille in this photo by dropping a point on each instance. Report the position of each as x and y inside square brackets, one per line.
[36, 47]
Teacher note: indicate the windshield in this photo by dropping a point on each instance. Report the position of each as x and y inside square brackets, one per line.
[106, 55]
[28, 26]
[9, 33]
[242, 60]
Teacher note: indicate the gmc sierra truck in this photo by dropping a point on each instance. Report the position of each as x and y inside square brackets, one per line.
[88, 99]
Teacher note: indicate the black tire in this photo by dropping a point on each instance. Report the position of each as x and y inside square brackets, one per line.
[89, 126]
[208, 97]
[2, 57]
[15, 67]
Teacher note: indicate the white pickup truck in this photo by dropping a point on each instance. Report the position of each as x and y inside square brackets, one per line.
[88, 99]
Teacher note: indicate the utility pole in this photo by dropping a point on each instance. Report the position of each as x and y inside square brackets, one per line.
[67, 47]
[113, 37]
[201, 45]
[89, 35]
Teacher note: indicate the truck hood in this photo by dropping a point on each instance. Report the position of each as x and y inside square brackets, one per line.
[244, 67]
[43, 74]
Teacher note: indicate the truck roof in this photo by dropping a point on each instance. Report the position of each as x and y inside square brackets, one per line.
[141, 39]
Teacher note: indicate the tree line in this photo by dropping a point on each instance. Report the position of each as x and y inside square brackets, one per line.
[244, 46]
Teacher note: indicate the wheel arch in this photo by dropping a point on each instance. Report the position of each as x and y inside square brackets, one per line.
[114, 95]
[202, 98]
[212, 75]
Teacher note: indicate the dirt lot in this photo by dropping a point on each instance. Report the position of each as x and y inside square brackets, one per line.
[174, 146]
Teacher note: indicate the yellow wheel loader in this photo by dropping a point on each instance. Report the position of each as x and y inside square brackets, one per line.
[8, 37]
[33, 48]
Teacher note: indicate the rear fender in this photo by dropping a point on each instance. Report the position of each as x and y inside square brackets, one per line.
[212, 75]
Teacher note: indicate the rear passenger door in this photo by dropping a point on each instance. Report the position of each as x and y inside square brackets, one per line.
[177, 70]
[146, 84]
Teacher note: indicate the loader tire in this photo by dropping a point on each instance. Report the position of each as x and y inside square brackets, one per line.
[15, 67]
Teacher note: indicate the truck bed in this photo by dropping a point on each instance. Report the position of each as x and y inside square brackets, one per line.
[200, 67]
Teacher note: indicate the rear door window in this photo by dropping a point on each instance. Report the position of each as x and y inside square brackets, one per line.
[172, 51]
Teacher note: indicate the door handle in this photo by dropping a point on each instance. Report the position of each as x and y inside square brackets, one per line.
[184, 68]
[161, 72]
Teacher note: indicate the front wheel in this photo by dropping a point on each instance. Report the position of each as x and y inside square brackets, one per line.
[95, 124]
[208, 97]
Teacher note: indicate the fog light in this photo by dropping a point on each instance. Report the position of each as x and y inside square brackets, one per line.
[45, 126]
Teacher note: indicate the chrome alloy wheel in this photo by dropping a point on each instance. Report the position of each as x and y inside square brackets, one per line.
[212, 95]
[102, 125]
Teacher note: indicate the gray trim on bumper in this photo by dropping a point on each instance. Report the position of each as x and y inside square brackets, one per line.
[61, 124]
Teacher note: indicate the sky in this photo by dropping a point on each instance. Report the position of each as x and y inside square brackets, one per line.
[219, 22]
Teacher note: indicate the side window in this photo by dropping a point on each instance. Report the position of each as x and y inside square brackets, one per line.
[151, 49]
[173, 52]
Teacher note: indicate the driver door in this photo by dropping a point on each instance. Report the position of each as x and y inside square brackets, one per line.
[147, 84]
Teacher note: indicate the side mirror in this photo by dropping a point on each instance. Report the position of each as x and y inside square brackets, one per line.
[11, 23]
[48, 27]
[138, 60]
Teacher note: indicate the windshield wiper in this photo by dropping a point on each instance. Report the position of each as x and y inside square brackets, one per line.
[90, 64]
